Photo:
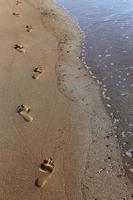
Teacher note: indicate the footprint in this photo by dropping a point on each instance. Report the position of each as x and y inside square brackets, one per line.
[23, 108]
[23, 111]
[16, 14]
[47, 169]
[18, 2]
[26, 116]
[38, 72]
[29, 28]
[47, 165]
[19, 48]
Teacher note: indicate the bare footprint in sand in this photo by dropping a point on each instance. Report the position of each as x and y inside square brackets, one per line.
[23, 111]
[23, 108]
[38, 72]
[29, 28]
[16, 14]
[47, 169]
[19, 48]
[18, 2]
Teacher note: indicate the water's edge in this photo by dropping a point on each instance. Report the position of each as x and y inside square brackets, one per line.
[120, 116]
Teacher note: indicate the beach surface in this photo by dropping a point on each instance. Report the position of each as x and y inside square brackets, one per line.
[69, 120]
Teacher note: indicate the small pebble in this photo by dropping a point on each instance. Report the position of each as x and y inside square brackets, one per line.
[131, 170]
[129, 153]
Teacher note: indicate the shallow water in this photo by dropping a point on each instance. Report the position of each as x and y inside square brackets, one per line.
[108, 51]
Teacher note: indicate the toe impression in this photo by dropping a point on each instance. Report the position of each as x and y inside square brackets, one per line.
[47, 169]
[23, 110]
[38, 71]
[19, 48]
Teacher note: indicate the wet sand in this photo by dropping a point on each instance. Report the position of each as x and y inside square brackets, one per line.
[107, 54]
[69, 121]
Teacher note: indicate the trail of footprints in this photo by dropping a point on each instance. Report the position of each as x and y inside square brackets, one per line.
[47, 166]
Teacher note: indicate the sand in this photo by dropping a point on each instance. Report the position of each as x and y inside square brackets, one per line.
[69, 120]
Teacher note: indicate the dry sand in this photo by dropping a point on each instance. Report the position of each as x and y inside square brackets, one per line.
[69, 121]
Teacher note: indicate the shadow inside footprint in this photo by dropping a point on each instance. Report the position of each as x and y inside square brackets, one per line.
[38, 71]
[16, 14]
[29, 28]
[23, 111]
[19, 48]
[18, 2]
[47, 168]
[36, 183]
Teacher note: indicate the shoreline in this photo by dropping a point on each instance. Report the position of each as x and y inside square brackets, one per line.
[69, 124]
